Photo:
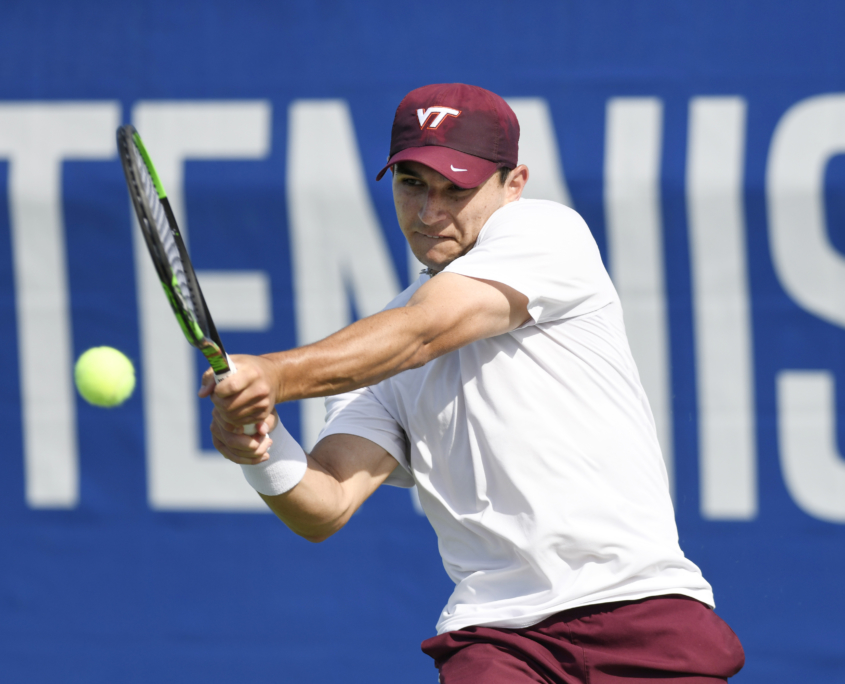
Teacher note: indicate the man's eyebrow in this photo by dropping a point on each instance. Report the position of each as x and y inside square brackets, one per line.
[404, 170]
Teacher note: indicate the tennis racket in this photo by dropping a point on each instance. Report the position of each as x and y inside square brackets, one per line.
[170, 257]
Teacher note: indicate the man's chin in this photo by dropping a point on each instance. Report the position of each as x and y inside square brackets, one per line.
[435, 265]
[437, 256]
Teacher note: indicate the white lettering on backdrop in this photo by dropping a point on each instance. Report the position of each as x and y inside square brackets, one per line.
[812, 272]
[337, 257]
[36, 138]
[722, 308]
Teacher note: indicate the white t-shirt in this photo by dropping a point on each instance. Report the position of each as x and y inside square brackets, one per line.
[534, 452]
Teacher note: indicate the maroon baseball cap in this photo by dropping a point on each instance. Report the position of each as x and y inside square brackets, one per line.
[461, 131]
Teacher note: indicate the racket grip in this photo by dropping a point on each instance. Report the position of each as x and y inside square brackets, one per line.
[251, 428]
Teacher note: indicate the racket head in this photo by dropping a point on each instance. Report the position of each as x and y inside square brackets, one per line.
[168, 251]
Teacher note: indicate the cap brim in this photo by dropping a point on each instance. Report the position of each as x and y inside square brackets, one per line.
[464, 170]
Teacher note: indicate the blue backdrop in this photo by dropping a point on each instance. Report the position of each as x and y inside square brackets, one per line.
[116, 570]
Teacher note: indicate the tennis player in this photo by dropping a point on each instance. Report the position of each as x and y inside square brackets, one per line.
[501, 384]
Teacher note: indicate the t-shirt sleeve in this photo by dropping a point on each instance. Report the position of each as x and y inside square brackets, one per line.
[545, 251]
[360, 413]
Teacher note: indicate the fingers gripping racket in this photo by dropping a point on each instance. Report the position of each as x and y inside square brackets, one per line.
[170, 257]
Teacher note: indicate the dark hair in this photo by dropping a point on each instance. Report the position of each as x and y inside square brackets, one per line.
[503, 174]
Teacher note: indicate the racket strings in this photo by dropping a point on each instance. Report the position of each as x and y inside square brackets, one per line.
[171, 249]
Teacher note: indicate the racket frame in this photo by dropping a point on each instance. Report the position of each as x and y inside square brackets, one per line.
[197, 326]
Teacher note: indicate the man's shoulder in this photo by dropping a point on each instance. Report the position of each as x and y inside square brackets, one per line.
[537, 221]
[537, 213]
[539, 207]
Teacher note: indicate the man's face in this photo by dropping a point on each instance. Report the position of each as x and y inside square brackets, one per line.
[440, 220]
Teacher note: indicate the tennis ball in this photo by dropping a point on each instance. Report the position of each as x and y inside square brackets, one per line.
[104, 376]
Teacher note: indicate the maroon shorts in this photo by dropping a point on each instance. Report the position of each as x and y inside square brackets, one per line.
[657, 640]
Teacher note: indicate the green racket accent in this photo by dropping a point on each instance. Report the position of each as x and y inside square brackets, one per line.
[216, 359]
[215, 356]
[149, 164]
[190, 328]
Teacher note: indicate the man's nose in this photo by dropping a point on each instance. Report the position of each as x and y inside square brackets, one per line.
[432, 208]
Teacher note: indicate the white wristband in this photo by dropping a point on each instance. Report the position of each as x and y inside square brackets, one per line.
[283, 470]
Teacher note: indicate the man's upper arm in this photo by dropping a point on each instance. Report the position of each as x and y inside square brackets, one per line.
[458, 310]
[343, 470]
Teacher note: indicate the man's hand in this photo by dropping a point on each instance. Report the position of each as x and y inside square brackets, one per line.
[245, 397]
[239, 448]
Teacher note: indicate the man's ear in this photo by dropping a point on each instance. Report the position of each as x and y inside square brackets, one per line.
[516, 182]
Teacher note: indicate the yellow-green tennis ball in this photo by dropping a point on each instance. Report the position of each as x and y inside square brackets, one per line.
[104, 376]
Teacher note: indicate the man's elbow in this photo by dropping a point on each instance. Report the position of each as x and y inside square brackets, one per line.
[314, 533]
[317, 536]
[316, 539]
[314, 525]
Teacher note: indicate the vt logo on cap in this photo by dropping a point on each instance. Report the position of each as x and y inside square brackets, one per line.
[423, 114]
[482, 134]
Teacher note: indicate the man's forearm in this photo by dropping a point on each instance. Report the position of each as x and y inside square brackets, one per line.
[446, 313]
[359, 355]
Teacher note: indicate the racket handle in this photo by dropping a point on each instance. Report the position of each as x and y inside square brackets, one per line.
[251, 428]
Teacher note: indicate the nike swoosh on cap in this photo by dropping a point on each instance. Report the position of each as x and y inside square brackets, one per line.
[454, 169]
